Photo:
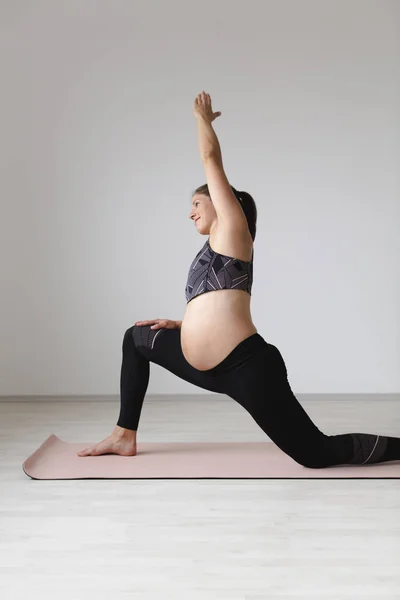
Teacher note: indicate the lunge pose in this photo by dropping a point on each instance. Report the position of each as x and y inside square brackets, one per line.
[217, 347]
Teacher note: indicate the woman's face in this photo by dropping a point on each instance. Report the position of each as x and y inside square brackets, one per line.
[203, 214]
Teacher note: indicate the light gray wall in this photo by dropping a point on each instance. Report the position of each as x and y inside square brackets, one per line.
[99, 156]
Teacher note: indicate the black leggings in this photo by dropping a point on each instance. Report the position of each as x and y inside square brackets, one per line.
[254, 374]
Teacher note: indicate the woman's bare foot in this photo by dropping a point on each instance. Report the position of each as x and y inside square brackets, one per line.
[121, 441]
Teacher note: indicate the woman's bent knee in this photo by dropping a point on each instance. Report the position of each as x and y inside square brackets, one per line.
[319, 455]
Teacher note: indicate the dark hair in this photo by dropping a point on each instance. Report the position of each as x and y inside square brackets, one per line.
[247, 203]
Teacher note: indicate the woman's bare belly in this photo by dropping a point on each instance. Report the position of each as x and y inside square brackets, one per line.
[213, 325]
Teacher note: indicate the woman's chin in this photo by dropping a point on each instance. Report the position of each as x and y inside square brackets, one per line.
[201, 229]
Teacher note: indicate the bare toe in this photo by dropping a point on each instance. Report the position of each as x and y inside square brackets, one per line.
[84, 452]
[95, 450]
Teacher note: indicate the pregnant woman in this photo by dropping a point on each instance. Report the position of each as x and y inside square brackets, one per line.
[217, 347]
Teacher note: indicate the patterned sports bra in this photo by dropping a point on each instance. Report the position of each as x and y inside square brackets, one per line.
[211, 271]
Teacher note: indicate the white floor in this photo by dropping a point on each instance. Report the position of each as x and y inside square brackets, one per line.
[193, 539]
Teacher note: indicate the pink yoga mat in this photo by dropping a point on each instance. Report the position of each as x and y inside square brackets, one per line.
[56, 459]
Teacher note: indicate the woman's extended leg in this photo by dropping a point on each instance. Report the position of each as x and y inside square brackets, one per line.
[262, 388]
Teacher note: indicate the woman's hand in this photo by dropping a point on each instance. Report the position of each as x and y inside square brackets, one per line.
[160, 324]
[202, 108]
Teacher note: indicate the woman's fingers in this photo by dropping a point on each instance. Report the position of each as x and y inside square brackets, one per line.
[158, 323]
[155, 323]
